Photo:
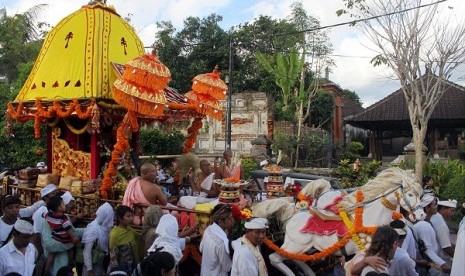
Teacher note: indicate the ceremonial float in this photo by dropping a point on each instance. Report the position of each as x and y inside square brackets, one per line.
[92, 85]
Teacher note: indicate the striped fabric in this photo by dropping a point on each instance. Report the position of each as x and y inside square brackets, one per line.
[60, 225]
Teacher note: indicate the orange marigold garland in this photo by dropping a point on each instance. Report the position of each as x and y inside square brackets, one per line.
[122, 144]
[37, 126]
[54, 110]
[397, 215]
[192, 131]
[353, 231]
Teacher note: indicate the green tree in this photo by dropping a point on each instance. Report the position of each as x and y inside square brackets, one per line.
[195, 49]
[20, 42]
[352, 95]
[286, 70]
[201, 44]
[322, 110]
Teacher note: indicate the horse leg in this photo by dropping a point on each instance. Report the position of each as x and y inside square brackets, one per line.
[305, 268]
[277, 261]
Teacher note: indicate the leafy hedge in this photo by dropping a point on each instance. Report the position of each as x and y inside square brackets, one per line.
[248, 165]
[155, 142]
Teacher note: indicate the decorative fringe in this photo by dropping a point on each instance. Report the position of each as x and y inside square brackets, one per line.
[205, 88]
[211, 84]
[145, 79]
[206, 104]
[138, 105]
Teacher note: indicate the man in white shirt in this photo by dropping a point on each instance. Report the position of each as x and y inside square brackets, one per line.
[402, 264]
[215, 243]
[247, 259]
[424, 230]
[11, 208]
[446, 209]
[46, 193]
[19, 255]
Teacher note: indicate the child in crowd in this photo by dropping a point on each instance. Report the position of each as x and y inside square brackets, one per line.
[62, 230]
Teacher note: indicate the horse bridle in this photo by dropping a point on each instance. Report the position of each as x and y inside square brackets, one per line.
[394, 190]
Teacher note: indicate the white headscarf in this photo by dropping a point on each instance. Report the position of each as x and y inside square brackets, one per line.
[167, 231]
[100, 227]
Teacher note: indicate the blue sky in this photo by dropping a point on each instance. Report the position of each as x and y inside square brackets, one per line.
[351, 48]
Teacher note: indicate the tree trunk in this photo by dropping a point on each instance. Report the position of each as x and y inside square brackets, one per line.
[299, 131]
[418, 140]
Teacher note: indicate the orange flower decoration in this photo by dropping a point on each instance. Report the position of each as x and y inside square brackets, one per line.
[232, 179]
[397, 215]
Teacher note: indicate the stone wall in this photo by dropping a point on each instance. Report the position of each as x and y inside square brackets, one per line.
[251, 115]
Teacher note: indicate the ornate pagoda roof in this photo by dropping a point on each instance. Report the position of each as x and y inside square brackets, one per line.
[75, 59]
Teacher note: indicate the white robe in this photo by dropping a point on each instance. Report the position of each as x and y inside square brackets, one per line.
[189, 202]
[215, 252]
[424, 230]
[402, 264]
[410, 244]
[459, 256]
[244, 261]
[443, 237]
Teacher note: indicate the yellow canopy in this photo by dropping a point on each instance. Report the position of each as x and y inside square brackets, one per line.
[75, 59]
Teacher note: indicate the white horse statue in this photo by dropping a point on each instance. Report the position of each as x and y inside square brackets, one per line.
[382, 196]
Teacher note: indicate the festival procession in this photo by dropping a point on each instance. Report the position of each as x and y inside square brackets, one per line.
[232, 152]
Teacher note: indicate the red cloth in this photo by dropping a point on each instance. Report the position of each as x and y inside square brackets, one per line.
[318, 226]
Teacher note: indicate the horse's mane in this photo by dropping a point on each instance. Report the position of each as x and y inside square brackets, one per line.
[278, 207]
[384, 181]
[316, 187]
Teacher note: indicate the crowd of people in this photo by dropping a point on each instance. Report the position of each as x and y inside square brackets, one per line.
[38, 241]
[41, 239]
[419, 244]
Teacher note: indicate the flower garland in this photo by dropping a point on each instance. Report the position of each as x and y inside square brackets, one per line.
[397, 215]
[353, 232]
[75, 130]
[54, 110]
[302, 197]
[122, 144]
[192, 131]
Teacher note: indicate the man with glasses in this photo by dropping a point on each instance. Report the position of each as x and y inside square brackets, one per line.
[215, 242]
[19, 255]
[247, 259]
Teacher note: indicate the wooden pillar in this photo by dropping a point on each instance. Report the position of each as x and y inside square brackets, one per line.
[436, 135]
[379, 145]
[94, 156]
[371, 145]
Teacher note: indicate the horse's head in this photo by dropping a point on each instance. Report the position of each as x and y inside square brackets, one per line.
[409, 193]
[397, 187]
